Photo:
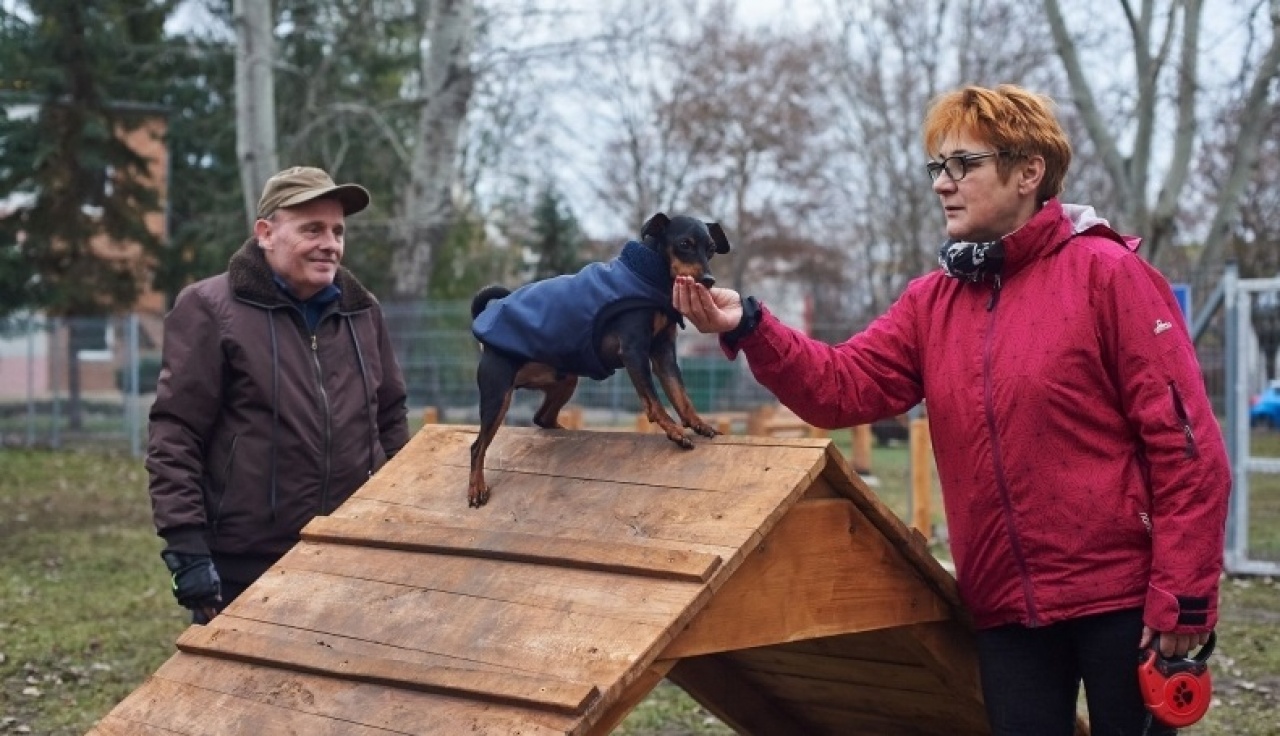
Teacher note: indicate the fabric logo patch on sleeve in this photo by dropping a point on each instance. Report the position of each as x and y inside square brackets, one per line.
[1161, 326]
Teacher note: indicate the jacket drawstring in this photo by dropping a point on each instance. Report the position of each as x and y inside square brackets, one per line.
[368, 399]
[275, 406]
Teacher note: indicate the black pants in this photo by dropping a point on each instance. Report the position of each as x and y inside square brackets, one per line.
[1031, 677]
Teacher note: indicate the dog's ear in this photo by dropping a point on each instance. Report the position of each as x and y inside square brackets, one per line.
[718, 237]
[655, 226]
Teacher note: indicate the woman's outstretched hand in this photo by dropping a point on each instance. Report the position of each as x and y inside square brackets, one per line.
[710, 310]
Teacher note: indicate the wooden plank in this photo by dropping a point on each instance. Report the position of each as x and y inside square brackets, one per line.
[601, 456]
[884, 645]
[693, 521]
[833, 720]
[628, 699]
[301, 699]
[742, 704]
[653, 528]
[908, 542]
[948, 649]
[644, 600]
[112, 726]
[195, 711]
[618, 557]
[411, 711]
[937, 713]
[823, 571]
[571, 645]
[541, 692]
[766, 661]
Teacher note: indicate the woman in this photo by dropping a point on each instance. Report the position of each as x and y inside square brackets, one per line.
[1083, 471]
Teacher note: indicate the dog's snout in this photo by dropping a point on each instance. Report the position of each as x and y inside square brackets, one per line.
[708, 280]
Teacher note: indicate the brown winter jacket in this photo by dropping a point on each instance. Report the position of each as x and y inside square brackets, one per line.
[259, 425]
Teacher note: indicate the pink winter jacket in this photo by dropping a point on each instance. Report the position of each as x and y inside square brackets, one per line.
[1081, 464]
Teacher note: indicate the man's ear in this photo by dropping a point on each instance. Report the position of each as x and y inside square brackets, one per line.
[655, 226]
[718, 237]
[262, 232]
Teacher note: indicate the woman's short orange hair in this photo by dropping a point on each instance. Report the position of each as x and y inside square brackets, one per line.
[1009, 118]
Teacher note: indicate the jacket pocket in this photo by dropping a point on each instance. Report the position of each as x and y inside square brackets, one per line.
[222, 484]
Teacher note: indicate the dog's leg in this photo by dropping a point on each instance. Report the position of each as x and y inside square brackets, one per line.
[554, 397]
[663, 354]
[495, 377]
[636, 359]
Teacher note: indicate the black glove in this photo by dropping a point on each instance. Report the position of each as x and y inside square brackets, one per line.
[195, 580]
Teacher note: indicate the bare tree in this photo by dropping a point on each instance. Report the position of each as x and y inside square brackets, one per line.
[1165, 48]
[724, 122]
[892, 58]
[255, 100]
[447, 82]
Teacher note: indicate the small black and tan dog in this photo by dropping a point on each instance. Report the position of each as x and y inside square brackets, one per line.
[609, 315]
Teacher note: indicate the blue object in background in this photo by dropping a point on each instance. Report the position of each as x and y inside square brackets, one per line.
[1182, 292]
[1265, 411]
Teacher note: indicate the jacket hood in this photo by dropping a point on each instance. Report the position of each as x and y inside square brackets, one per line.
[1051, 228]
[253, 280]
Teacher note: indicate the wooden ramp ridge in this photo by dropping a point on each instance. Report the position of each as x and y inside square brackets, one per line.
[757, 573]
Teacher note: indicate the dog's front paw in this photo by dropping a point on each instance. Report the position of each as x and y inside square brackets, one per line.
[477, 496]
[704, 429]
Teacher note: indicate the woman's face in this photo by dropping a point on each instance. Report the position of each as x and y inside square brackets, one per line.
[982, 206]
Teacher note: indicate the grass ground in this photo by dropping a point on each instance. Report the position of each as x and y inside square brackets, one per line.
[85, 614]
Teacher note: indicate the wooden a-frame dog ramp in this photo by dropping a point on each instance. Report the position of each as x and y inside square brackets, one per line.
[759, 574]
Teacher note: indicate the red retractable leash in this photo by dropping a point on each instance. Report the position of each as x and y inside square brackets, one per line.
[1176, 690]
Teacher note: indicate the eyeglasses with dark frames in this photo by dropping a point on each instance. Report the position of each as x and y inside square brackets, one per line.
[957, 166]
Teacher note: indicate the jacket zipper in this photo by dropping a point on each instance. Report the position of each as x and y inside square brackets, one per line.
[328, 427]
[1180, 410]
[997, 459]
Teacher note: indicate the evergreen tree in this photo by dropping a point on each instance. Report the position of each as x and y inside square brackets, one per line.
[557, 239]
[65, 150]
[205, 216]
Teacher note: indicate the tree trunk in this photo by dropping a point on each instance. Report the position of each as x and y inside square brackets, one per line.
[255, 101]
[448, 80]
[1155, 55]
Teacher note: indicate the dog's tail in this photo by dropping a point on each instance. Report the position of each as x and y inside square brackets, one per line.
[486, 295]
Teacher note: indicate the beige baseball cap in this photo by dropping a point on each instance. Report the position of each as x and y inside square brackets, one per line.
[300, 184]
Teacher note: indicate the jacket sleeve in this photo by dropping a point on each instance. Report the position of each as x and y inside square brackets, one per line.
[188, 402]
[1160, 381]
[393, 416]
[871, 375]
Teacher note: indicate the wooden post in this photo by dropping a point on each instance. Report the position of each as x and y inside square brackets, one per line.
[758, 419]
[862, 449]
[571, 417]
[921, 477]
[431, 415]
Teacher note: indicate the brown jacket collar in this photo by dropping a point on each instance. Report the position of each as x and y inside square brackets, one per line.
[252, 280]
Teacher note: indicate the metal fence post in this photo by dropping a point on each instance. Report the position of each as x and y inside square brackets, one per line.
[31, 380]
[132, 409]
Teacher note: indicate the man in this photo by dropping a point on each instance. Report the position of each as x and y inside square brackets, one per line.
[279, 394]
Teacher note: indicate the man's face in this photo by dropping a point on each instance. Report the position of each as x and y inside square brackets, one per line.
[303, 244]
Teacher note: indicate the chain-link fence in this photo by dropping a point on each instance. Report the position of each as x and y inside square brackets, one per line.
[74, 382]
[90, 382]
